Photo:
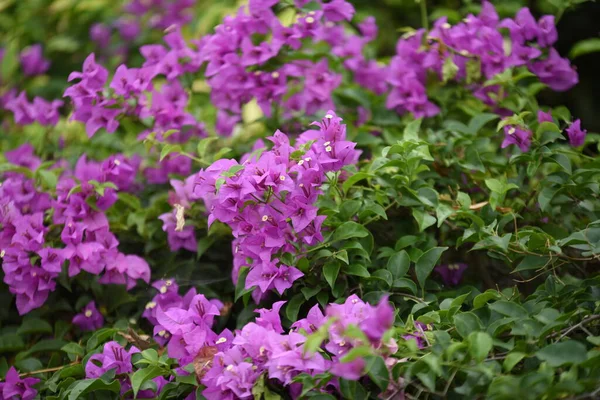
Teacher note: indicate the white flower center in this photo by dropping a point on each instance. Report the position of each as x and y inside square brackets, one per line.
[150, 305]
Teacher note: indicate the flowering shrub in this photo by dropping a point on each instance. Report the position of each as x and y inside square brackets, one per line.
[263, 208]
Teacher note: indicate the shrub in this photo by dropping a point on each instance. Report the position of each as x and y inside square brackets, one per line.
[270, 211]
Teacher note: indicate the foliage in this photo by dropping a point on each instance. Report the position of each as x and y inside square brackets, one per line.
[436, 236]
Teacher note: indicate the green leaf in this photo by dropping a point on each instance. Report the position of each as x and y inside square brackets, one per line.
[495, 185]
[92, 385]
[357, 352]
[292, 308]
[449, 69]
[473, 69]
[357, 270]
[509, 309]
[342, 255]
[352, 390]
[73, 348]
[442, 212]
[99, 337]
[532, 262]
[562, 353]
[564, 162]
[427, 262]
[240, 287]
[480, 345]
[168, 149]
[545, 197]
[310, 292]
[354, 179]
[330, 271]
[203, 145]
[466, 323]
[221, 153]
[34, 325]
[42, 346]
[398, 264]
[48, 178]
[411, 132]
[203, 245]
[482, 299]
[377, 371]
[350, 229]
[583, 47]
[512, 359]
[10, 61]
[423, 219]
[142, 375]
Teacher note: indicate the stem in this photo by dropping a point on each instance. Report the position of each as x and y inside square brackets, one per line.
[424, 19]
[53, 369]
[572, 328]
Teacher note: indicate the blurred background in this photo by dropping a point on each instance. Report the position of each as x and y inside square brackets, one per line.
[70, 29]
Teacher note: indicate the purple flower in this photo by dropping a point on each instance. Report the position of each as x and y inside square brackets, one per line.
[93, 76]
[555, 71]
[517, 136]
[368, 28]
[270, 318]
[544, 116]
[89, 318]
[547, 34]
[100, 33]
[379, 321]
[338, 10]
[451, 273]
[576, 134]
[15, 387]
[113, 356]
[33, 61]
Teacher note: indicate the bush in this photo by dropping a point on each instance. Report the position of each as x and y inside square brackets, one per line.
[424, 228]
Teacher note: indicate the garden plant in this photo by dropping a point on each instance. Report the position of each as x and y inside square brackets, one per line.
[253, 200]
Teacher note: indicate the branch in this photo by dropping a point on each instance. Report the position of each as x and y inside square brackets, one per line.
[566, 331]
[53, 369]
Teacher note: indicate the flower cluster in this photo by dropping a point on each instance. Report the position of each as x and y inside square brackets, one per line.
[33, 61]
[473, 48]
[262, 347]
[33, 253]
[115, 357]
[25, 112]
[269, 199]
[131, 92]
[168, 297]
[136, 17]
[521, 136]
[15, 387]
[239, 52]
[234, 361]
[236, 59]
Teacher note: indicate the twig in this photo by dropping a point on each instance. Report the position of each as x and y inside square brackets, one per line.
[53, 369]
[566, 331]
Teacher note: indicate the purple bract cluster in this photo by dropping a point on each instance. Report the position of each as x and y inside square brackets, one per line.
[477, 49]
[236, 360]
[269, 199]
[34, 244]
